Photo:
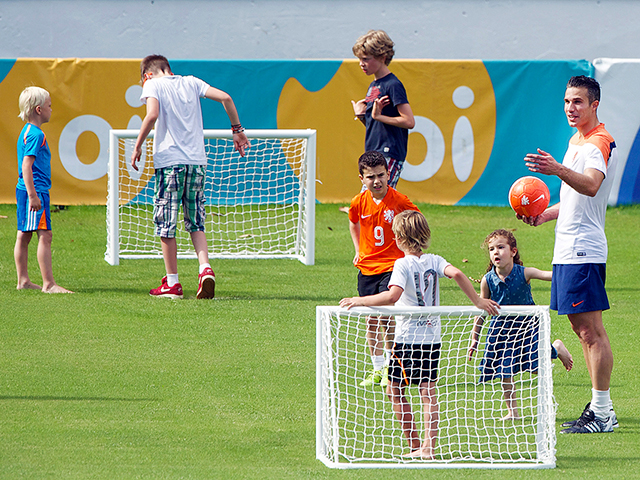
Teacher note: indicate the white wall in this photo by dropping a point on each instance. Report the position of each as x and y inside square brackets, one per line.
[286, 29]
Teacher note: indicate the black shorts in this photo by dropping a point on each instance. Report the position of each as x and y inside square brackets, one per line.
[372, 284]
[414, 363]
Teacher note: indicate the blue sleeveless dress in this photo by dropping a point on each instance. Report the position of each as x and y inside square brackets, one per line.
[511, 345]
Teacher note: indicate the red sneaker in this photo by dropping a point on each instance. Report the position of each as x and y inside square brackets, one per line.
[166, 291]
[206, 284]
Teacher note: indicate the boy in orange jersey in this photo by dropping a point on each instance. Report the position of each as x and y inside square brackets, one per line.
[370, 217]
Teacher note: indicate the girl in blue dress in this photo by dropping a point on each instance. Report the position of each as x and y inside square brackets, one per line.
[512, 341]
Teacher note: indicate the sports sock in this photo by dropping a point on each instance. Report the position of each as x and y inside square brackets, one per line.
[378, 362]
[387, 357]
[601, 403]
[172, 279]
[203, 266]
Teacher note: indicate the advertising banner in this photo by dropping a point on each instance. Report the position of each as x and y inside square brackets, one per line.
[475, 120]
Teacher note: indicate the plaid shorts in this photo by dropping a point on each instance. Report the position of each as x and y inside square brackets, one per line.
[175, 185]
[395, 169]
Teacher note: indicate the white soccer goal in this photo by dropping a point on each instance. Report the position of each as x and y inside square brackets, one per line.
[356, 426]
[258, 206]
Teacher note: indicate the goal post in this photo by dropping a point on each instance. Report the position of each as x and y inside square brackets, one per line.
[258, 206]
[356, 426]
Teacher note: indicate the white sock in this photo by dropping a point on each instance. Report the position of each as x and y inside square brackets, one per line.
[387, 357]
[601, 403]
[378, 362]
[172, 279]
[203, 266]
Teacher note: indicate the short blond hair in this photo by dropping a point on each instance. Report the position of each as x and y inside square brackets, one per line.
[375, 43]
[412, 230]
[30, 98]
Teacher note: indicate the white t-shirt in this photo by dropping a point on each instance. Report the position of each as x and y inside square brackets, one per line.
[580, 234]
[418, 278]
[179, 139]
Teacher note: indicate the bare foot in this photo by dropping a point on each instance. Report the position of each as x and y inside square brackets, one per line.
[28, 286]
[510, 417]
[344, 209]
[563, 354]
[422, 453]
[57, 289]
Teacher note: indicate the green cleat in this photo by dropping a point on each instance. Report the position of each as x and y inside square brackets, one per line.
[374, 378]
[384, 381]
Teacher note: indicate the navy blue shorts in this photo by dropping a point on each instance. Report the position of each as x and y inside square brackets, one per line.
[372, 284]
[579, 288]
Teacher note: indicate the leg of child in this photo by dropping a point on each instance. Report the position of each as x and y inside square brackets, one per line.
[21, 256]
[510, 398]
[375, 339]
[49, 285]
[170, 254]
[199, 240]
[563, 354]
[404, 414]
[431, 420]
[389, 337]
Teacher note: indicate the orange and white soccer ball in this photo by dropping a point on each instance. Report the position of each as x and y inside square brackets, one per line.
[529, 196]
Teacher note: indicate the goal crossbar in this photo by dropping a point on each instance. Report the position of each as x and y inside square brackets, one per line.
[258, 206]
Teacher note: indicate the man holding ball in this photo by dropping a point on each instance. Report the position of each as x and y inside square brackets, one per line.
[580, 251]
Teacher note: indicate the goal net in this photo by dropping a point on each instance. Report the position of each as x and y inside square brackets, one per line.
[356, 426]
[258, 206]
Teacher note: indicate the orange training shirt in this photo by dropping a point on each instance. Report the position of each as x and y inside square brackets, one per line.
[378, 249]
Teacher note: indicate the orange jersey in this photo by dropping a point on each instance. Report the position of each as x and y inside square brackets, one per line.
[378, 249]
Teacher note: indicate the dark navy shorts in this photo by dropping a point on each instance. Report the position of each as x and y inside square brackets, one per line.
[372, 284]
[579, 288]
[414, 363]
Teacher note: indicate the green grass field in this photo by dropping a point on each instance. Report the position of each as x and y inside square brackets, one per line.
[110, 383]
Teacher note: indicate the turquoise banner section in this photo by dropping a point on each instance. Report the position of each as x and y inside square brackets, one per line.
[529, 115]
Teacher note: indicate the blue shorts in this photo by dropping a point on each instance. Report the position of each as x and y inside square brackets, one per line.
[180, 184]
[372, 284]
[29, 221]
[579, 288]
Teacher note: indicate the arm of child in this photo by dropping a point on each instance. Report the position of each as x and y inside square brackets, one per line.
[405, 114]
[240, 140]
[153, 109]
[486, 304]
[536, 274]
[27, 177]
[359, 109]
[478, 321]
[354, 230]
[390, 297]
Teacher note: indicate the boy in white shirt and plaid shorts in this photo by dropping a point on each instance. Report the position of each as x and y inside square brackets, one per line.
[173, 105]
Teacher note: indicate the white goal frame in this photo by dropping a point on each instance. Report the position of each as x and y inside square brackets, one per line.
[300, 204]
[342, 406]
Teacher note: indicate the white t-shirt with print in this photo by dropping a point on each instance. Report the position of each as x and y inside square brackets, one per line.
[418, 278]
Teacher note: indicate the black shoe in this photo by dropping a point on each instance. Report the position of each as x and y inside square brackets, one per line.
[614, 422]
[589, 423]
